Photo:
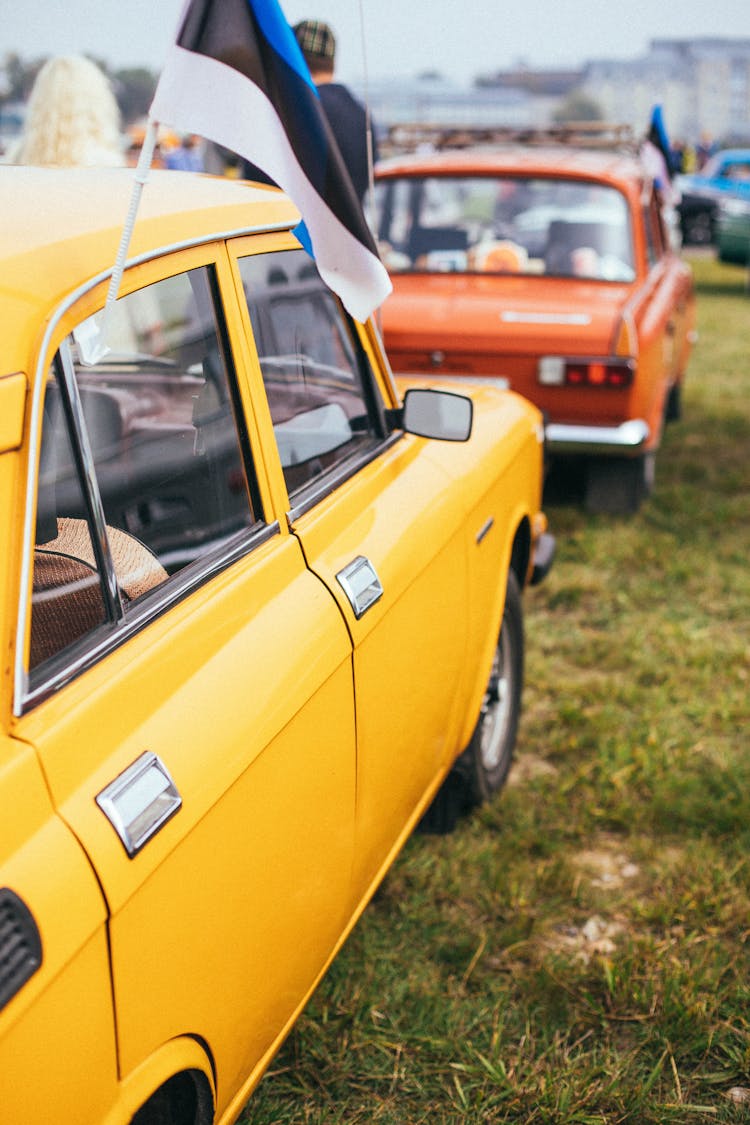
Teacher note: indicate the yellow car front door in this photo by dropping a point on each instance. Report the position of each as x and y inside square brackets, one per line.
[380, 522]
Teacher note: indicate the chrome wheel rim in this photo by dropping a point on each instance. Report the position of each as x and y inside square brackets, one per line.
[496, 707]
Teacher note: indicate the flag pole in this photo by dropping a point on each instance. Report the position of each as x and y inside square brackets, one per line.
[368, 118]
[140, 176]
[368, 133]
[99, 347]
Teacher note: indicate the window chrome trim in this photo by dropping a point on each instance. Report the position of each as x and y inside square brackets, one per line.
[91, 495]
[322, 486]
[20, 676]
[95, 646]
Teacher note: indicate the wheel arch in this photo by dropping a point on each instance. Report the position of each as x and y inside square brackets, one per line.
[460, 788]
[184, 1099]
[520, 553]
[515, 554]
[179, 1074]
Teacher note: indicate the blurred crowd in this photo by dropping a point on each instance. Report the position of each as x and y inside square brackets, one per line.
[685, 158]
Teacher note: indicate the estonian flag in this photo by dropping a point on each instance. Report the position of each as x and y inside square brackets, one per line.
[657, 134]
[236, 75]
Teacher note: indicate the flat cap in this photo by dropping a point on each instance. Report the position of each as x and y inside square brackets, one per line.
[315, 38]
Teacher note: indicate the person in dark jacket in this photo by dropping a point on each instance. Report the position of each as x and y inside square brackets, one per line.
[345, 115]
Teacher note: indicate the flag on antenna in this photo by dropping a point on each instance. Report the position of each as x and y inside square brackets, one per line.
[657, 135]
[236, 75]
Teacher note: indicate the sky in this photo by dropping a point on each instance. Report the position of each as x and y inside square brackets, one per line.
[402, 38]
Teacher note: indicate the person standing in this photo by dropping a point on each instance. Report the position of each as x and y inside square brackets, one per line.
[346, 116]
[187, 156]
[72, 119]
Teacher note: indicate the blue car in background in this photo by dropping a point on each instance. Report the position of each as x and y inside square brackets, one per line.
[725, 174]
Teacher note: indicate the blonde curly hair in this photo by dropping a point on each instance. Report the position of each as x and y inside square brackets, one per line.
[72, 117]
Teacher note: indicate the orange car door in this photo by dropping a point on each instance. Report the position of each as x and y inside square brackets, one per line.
[665, 318]
[196, 721]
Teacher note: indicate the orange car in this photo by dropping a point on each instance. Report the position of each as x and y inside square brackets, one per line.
[552, 270]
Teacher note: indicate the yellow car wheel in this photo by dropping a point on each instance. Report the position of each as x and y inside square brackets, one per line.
[483, 767]
[487, 759]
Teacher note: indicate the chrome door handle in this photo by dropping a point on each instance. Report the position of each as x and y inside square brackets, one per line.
[140, 801]
[360, 583]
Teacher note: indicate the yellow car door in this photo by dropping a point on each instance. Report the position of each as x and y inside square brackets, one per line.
[187, 680]
[380, 522]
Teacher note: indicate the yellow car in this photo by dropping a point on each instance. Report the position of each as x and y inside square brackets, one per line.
[255, 609]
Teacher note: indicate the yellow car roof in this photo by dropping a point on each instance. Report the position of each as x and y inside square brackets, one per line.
[61, 227]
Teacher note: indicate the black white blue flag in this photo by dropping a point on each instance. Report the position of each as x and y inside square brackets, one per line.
[236, 75]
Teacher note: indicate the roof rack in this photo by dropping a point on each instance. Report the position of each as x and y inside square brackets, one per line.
[409, 137]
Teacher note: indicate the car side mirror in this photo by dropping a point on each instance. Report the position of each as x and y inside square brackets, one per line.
[443, 415]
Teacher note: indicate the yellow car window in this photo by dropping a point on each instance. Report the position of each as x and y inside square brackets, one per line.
[67, 598]
[315, 373]
[157, 427]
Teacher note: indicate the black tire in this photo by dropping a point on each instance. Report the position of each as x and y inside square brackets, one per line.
[483, 766]
[698, 228]
[185, 1099]
[673, 409]
[488, 757]
[618, 485]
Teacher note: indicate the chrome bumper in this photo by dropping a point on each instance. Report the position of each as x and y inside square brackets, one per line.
[629, 437]
[544, 554]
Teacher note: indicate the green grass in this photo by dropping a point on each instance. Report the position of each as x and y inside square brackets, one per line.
[577, 951]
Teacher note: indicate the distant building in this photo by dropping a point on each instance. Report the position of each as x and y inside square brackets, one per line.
[435, 101]
[703, 86]
[545, 90]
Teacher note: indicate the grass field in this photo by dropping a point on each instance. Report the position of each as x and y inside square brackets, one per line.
[578, 951]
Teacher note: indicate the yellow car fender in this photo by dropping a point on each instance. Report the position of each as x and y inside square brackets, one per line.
[173, 1058]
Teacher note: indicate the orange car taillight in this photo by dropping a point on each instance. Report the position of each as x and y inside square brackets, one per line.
[565, 371]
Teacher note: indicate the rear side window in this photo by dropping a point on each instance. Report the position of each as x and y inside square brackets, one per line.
[144, 466]
[324, 406]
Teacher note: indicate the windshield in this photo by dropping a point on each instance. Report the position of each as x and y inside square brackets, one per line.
[510, 224]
